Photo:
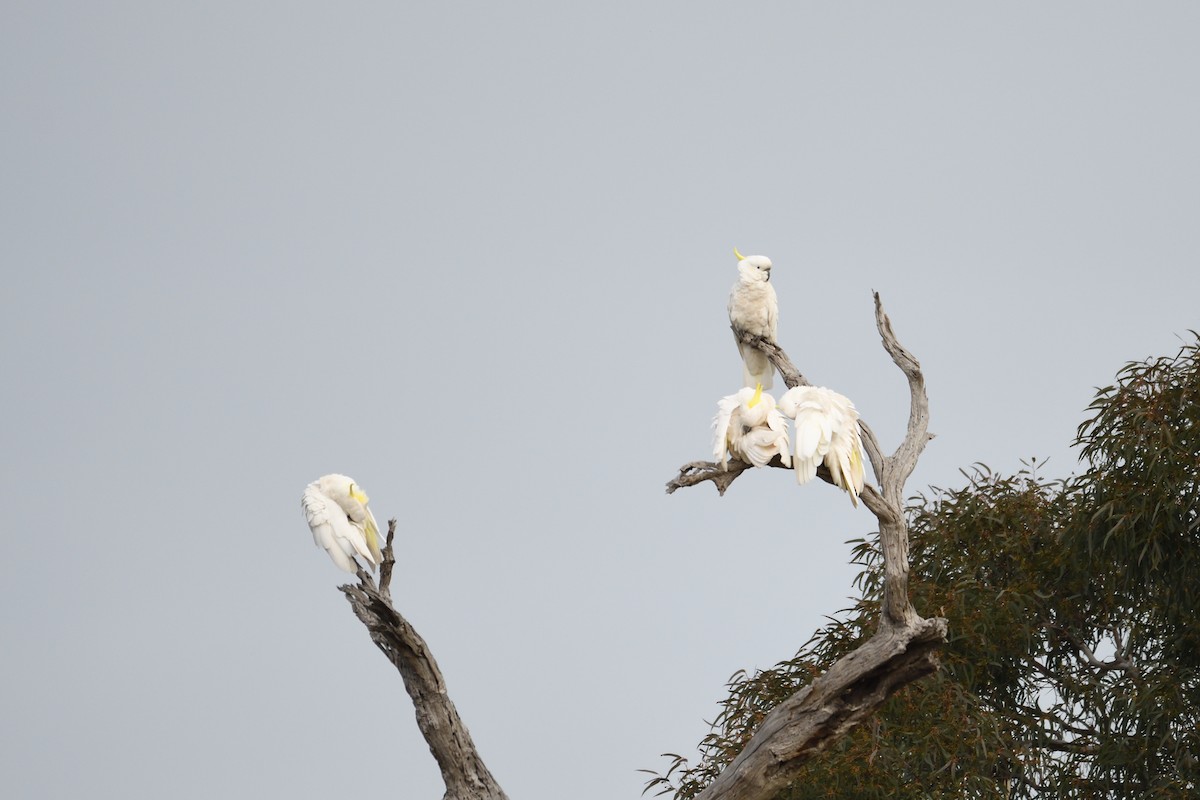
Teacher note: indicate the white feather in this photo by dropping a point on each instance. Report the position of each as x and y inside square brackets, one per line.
[754, 308]
[753, 433]
[826, 431]
[340, 523]
[726, 406]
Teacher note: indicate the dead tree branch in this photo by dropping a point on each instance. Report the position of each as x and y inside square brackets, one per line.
[903, 649]
[849, 693]
[463, 771]
[696, 472]
[893, 472]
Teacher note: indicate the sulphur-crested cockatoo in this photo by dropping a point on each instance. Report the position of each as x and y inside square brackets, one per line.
[750, 427]
[754, 309]
[336, 509]
[826, 431]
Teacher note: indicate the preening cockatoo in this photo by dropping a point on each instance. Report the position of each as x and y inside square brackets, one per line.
[753, 308]
[336, 509]
[750, 427]
[826, 430]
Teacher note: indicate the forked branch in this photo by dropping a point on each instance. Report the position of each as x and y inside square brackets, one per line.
[887, 501]
[903, 649]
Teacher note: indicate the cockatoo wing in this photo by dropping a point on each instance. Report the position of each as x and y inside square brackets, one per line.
[772, 313]
[838, 461]
[847, 446]
[726, 407]
[814, 429]
[826, 431]
[858, 466]
[758, 446]
[371, 534]
[333, 530]
[778, 423]
[364, 520]
[810, 446]
[350, 497]
[763, 428]
[762, 443]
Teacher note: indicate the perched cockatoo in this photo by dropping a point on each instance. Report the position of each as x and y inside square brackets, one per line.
[750, 427]
[826, 431]
[754, 309]
[336, 509]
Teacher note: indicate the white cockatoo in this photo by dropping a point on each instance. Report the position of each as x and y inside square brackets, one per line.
[753, 308]
[336, 509]
[749, 426]
[826, 431]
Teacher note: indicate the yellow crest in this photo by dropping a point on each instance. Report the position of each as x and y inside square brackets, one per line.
[757, 397]
[740, 257]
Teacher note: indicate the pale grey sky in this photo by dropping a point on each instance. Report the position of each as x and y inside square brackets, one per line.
[476, 255]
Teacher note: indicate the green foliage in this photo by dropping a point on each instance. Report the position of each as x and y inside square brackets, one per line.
[1073, 663]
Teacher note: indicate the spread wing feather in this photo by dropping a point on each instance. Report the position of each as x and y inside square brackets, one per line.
[726, 407]
[826, 432]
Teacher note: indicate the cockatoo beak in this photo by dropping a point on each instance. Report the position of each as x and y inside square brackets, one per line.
[740, 257]
[757, 397]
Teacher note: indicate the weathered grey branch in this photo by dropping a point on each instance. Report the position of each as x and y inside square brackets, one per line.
[792, 378]
[893, 472]
[463, 771]
[886, 502]
[850, 692]
[904, 647]
[696, 472]
[779, 359]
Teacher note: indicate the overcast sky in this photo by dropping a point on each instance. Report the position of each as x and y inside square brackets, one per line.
[476, 256]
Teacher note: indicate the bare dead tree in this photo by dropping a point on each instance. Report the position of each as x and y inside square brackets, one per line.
[902, 650]
[904, 647]
[463, 771]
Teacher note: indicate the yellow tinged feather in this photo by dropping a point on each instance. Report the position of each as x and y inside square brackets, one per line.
[372, 535]
[740, 257]
[855, 469]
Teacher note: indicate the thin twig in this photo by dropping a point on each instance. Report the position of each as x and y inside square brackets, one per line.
[389, 562]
